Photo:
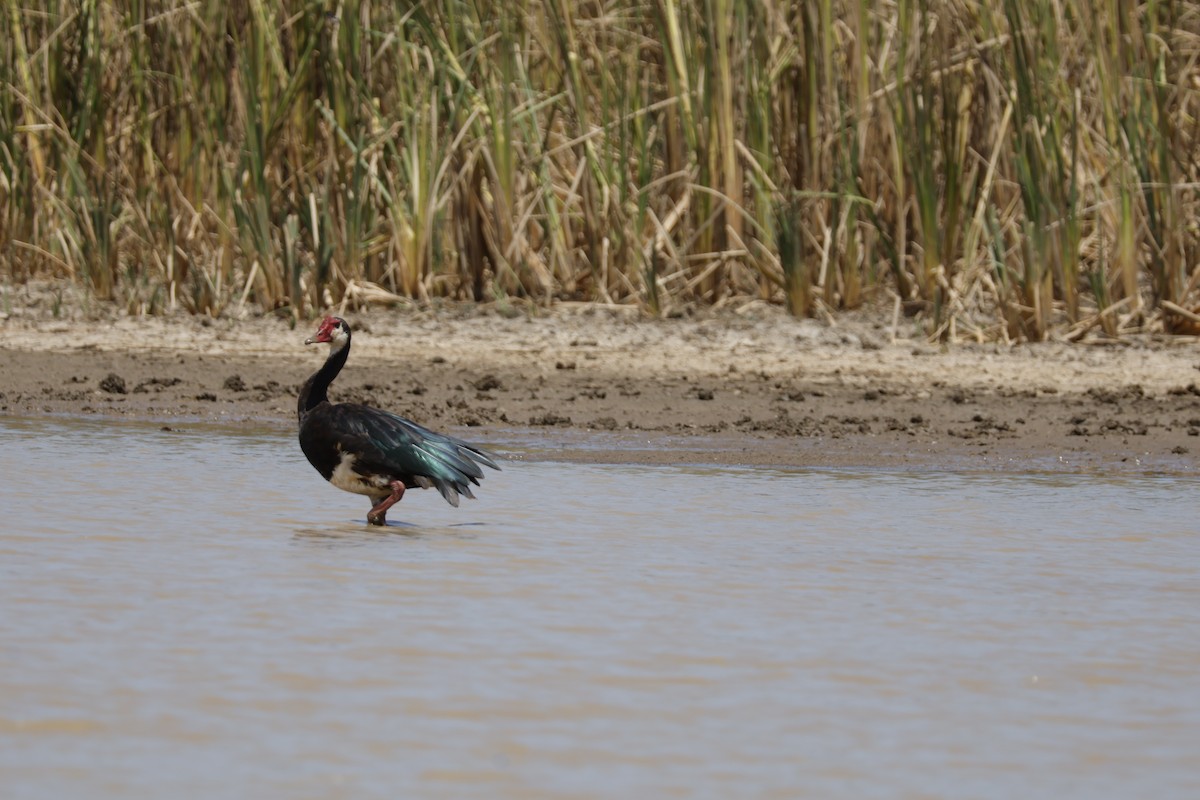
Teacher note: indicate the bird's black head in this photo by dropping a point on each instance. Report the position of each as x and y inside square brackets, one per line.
[333, 330]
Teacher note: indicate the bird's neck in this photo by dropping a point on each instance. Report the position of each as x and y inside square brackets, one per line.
[316, 389]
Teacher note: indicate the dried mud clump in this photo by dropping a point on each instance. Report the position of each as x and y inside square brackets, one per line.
[487, 383]
[549, 419]
[1180, 391]
[157, 384]
[113, 384]
[1114, 396]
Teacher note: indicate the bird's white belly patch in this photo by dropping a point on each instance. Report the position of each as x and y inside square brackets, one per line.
[345, 478]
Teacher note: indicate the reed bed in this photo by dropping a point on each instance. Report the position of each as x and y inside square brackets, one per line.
[999, 169]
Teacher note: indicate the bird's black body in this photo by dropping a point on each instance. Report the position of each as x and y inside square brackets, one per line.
[373, 452]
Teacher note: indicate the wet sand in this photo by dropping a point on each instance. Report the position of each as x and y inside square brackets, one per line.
[595, 383]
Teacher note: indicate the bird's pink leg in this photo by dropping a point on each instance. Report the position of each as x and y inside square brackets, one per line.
[376, 515]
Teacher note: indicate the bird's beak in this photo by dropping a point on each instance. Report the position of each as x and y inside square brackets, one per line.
[310, 340]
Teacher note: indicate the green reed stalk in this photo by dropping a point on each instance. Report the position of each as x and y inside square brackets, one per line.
[789, 243]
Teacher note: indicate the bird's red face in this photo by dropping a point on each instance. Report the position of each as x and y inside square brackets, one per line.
[330, 327]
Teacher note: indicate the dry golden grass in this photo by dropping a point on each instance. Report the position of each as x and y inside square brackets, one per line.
[1005, 168]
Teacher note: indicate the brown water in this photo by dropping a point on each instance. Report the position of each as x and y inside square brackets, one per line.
[195, 614]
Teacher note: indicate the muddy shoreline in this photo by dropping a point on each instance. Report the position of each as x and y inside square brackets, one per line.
[588, 383]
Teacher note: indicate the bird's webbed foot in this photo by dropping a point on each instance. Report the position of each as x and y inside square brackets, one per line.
[378, 513]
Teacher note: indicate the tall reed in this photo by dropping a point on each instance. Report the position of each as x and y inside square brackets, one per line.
[1007, 169]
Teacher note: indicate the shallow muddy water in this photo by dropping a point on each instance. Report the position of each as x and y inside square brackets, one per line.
[195, 613]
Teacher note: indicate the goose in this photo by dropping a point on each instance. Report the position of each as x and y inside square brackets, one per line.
[376, 453]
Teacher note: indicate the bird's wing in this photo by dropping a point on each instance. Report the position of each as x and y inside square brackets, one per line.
[394, 444]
